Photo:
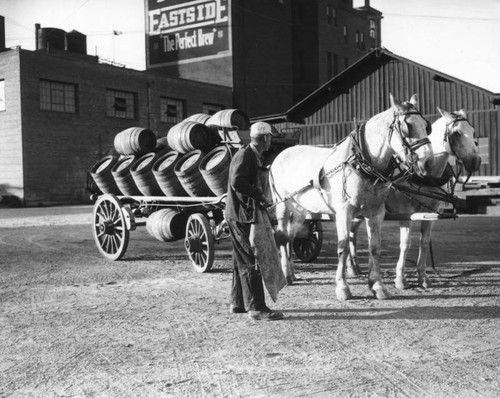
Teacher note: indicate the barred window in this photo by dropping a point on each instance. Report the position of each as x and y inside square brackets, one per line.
[172, 110]
[210, 109]
[57, 96]
[122, 104]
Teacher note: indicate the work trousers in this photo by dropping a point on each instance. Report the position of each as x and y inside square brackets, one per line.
[247, 290]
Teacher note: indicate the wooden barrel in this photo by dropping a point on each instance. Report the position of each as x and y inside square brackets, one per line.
[187, 136]
[123, 178]
[198, 117]
[167, 225]
[142, 173]
[214, 168]
[167, 180]
[101, 173]
[214, 134]
[189, 175]
[135, 141]
[229, 118]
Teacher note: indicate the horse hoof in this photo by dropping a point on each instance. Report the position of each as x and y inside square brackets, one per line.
[401, 284]
[424, 283]
[289, 281]
[380, 292]
[343, 294]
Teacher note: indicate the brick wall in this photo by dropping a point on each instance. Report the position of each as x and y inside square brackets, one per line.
[58, 148]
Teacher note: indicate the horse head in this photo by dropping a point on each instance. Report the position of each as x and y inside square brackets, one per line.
[455, 136]
[408, 136]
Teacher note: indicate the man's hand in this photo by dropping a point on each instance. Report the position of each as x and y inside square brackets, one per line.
[264, 204]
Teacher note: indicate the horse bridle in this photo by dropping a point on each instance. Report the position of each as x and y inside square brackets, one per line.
[409, 148]
[449, 132]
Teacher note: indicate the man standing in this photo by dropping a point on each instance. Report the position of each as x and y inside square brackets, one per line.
[243, 198]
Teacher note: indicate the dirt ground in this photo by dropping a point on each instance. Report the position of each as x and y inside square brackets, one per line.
[75, 324]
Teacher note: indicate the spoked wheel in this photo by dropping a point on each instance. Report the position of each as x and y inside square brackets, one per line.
[110, 229]
[308, 241]
[200, 242]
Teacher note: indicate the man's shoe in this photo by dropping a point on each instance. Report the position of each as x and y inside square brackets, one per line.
[236, 310]
[266, 314]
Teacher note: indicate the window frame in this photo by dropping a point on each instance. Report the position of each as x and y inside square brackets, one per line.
[130, 112]
[58, 96]
[210, 108]
[165, 102]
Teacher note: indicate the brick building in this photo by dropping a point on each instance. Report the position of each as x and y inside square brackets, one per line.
[271, 53]
[60, 112]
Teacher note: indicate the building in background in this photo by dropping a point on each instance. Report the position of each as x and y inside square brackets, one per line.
[328, 114]
[271, 53]
[60, 110]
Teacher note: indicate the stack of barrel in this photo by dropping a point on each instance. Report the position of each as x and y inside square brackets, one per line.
[192, 160]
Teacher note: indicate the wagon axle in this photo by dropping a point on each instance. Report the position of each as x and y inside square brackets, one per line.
[106, 227]
[193, 244]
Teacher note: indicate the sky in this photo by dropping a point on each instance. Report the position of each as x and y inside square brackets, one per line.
[460, 38]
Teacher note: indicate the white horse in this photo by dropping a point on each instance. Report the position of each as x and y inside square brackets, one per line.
[452, 137]
[350, 180]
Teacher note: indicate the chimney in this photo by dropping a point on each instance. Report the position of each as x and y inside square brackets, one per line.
[37, 35]
[2, 33]
[367, 3]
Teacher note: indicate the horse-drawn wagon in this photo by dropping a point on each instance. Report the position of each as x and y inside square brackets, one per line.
[177, 191]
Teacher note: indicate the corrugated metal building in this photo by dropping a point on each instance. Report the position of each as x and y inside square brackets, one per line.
[362, 90]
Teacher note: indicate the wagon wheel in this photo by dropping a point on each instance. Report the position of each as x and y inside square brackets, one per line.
[110, 229]
[308, 241]
[200, 242]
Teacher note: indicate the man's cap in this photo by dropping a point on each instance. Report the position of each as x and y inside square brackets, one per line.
[260, 128]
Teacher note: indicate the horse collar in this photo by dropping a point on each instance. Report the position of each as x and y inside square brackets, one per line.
[361, 163]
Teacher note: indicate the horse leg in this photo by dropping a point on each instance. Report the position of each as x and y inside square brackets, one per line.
[353, 268]
[283, 240]
[342, 222]
[374, 232]
[404, 247]
[425, 238]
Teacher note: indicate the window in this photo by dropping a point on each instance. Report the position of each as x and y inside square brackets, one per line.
[331, 16]
[57, 96]
[2, 95]
[171, 110]
[345, 34]
[122, 104]
[346, 62]
[357, 39]
[373, 30]
[210, 109]
[484, 149]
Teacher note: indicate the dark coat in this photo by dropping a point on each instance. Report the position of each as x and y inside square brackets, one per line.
[243, 194]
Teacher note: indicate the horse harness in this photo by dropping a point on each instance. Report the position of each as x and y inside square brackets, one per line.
[449, 175]
[359, 161]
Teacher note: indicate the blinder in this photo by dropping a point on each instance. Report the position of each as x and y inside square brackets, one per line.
[410, 148]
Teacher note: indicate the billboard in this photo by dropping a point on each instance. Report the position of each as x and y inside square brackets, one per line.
[186, 31]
